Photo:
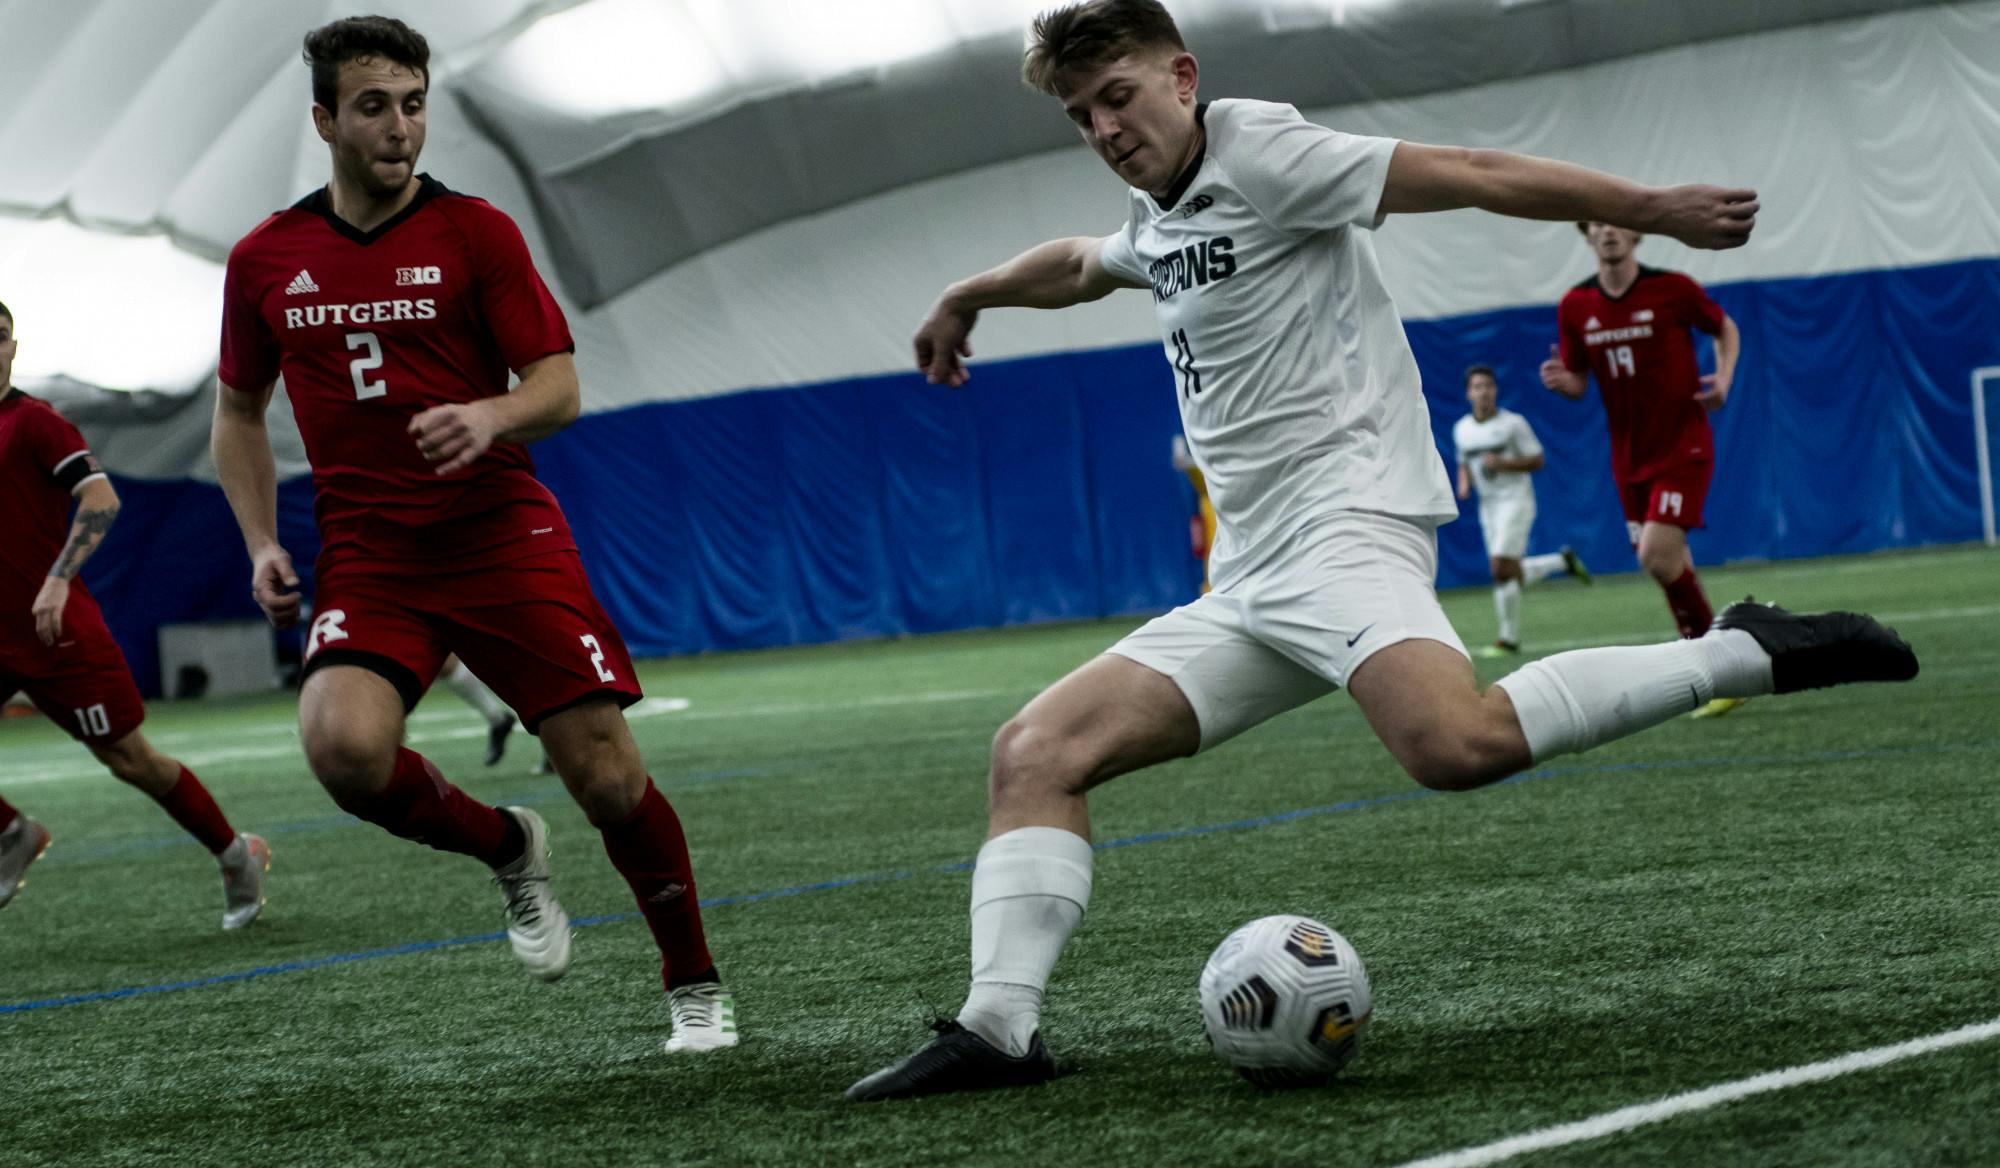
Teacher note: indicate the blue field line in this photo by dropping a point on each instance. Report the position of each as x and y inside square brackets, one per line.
[899, 874]
[131, 847]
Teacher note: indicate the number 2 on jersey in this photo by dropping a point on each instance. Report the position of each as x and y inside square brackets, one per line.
[360, 367]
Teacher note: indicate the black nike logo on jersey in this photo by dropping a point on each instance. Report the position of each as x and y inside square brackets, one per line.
[1359, 635]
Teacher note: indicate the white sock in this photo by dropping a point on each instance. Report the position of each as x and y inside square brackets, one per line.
[1536, 569]
[235, 855]
[1029, 889]
[1574, 701]
[1507, 603]
[476, 695]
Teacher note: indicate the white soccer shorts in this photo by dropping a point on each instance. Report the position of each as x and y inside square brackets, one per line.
[1297, 626]
[1506, 525]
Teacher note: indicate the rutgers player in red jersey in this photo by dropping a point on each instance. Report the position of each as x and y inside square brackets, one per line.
[54, 645]
[395, 309]
[1633, 327]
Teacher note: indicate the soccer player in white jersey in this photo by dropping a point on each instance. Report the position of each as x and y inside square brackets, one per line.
[1497, 451]
[1302, 403]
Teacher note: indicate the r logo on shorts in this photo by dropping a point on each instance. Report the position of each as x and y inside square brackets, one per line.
[325, 630]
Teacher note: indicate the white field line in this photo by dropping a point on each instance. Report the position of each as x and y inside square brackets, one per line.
[75, 764]
[1626, 1118]
[27, 771]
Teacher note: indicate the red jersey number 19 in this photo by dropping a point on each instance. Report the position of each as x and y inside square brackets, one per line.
[1615, 359]
[360, 367]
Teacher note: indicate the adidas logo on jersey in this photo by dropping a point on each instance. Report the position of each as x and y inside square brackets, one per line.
[301, 284]
[1592, 323]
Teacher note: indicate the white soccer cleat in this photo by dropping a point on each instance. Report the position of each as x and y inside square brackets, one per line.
[537, 926]
[243, 882]
[704, 1017]
[21, 844]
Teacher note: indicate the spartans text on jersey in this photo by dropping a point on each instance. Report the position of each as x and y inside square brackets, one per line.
[1196, 264]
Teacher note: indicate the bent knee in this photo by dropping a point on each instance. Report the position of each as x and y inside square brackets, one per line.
[607, 796]
[352, 768]
[129, 765]
[1663, 571]
[1461, 761]
[1030, 758]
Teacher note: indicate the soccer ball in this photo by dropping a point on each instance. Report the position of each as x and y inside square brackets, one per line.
[1284, 1000]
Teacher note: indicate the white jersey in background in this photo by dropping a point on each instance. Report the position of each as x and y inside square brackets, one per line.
[1508, 435]
[1298, 390]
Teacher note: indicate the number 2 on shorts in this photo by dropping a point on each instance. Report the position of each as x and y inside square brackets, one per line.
[597, 657]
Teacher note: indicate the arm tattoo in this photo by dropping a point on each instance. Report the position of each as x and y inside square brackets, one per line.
[84, 536]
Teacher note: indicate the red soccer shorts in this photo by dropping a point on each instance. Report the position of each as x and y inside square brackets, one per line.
[1673, 496]
[531, 629]
[81, 682]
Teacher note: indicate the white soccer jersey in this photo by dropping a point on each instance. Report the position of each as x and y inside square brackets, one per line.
[1298, 390]
[1506, 434]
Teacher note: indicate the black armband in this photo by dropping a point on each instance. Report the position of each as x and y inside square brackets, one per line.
[70, 472]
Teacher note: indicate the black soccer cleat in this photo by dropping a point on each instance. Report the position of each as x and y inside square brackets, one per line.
[956, 1060]
[496, 739]
[1811, 651]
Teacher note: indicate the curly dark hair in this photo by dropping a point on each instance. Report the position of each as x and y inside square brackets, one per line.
[1092, 34]
[359, 38]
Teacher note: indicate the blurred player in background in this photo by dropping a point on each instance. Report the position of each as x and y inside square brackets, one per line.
[1201, 525]
[54, 644]
[1497, 452]
[395, 309]
[1303, 403]
[475, 693]
[1633, 327]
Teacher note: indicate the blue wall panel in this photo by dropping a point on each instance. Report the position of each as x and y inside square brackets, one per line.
[1042, 490]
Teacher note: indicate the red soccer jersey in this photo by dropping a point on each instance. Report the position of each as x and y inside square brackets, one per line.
[433, 307]
[42, 460]
[1640, 347]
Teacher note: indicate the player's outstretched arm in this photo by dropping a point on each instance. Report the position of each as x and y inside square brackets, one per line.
[97, 507]
[1445, 178]
[548, 398]
[1055, 274]
[241, 445]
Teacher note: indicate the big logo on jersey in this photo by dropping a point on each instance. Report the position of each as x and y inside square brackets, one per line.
[1193, 266]
[367, 312]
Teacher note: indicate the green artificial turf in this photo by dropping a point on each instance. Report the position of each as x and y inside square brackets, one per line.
[1808, 877]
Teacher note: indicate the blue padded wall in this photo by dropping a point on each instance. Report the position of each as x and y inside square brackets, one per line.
[1042, 490]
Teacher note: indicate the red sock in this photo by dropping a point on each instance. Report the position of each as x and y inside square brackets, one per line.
[7, 815]
[1690, 604]
[194, 809]
[650, 851]
[418, 804]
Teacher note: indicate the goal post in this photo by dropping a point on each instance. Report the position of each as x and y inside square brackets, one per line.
[1983, 446]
